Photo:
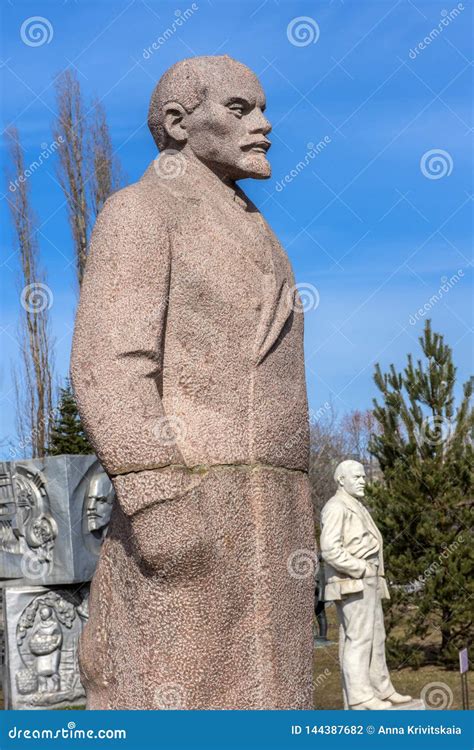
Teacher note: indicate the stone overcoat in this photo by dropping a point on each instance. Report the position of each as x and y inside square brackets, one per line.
[188, 371]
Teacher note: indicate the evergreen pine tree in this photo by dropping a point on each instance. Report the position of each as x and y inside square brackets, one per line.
[423, 506]
[67, 434]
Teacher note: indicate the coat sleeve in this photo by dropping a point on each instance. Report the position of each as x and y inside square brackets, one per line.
[117, 353]
[332, 542]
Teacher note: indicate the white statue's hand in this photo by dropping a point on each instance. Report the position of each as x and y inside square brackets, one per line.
[370, 569]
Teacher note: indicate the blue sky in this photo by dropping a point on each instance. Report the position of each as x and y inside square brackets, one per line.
[363, 223]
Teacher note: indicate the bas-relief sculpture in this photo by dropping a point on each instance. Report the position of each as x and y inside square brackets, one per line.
[27, 529]
[99, 503]
[42, 632]
[188, 371]
[352, 548]
[54, 514]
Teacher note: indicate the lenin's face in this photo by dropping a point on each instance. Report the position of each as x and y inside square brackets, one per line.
[354, 480]
[99, 503]
[227, 130]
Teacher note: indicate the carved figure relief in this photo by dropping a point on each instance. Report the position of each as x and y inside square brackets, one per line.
[47, 636]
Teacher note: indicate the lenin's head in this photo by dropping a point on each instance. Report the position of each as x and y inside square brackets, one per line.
[213, 107]
[350, 476]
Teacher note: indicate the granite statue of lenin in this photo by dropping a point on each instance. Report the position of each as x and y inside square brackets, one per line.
[188, 371]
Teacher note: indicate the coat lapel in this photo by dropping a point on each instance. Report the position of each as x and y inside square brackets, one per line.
[197, 184]
[364, 514]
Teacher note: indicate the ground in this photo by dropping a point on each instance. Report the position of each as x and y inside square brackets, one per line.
[327, 680]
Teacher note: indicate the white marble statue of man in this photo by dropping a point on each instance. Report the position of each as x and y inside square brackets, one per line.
[352, 549]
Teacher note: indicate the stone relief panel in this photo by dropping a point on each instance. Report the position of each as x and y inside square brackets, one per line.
[54, 515]
[42, 633]
[28, 530]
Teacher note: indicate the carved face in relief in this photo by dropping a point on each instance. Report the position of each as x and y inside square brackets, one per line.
[99, 502]
[45, 613]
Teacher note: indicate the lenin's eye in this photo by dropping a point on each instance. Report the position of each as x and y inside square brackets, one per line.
[236, 109]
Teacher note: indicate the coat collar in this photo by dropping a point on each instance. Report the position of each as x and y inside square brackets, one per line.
[187, 177]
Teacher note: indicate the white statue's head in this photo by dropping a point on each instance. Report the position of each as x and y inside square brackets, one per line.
[350, 476]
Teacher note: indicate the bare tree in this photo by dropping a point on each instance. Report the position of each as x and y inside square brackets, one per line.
[70, 131]
[327, 449]
[105, 169]
[33, 378]
[333, 440]
[88, 171]
[358, 427]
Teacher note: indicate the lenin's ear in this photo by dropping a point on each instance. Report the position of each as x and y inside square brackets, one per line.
[174, 116]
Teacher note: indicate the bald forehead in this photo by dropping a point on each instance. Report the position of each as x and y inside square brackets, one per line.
[226, 79]
[348, 467]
